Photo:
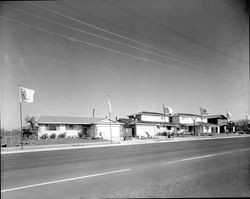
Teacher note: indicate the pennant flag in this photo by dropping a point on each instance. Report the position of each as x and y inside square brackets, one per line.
[203, 111]
[229, 115]
[110, 108]
[167, 110]
[164, 108]
[26, 95]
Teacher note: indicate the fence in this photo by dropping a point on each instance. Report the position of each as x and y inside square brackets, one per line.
[10, 141]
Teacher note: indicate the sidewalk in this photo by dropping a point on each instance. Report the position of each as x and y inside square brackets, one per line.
[160, 139]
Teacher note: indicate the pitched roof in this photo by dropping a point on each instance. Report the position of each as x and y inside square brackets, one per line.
[126, 120]
[66, 120]
[218, 116]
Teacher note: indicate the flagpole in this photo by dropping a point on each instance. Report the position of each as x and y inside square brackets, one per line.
[110, 118]
[110, 127]
[21, 125]
[20, 101]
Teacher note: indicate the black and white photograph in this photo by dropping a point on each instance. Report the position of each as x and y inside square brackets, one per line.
[124, 99]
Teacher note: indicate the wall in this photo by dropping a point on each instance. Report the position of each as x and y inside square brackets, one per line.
[187, 119]
[153, 118]
[60, 129]
[103, 130]
[142, 129]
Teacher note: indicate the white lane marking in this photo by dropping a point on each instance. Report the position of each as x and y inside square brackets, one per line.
[245, 149]
[64, 180]
[198, 157]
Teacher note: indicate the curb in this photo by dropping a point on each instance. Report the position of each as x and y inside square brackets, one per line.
[107, 144]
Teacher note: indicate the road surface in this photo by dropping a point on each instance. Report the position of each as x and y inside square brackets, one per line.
[201, 168]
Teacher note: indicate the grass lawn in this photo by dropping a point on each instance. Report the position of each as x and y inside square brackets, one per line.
[63, 141]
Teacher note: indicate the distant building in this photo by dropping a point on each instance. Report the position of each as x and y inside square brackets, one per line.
[193, 123]
[90, 127]
[222, 123]
[149, 124]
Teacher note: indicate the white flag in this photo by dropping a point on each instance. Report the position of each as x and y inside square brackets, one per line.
[167, 110]
[110, 108]
[229, 115]
[170, 110]
[203, 111]
[26, 95]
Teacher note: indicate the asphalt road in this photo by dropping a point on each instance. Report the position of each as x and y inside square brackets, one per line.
[204, 168]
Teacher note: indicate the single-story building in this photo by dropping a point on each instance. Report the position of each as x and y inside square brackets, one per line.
[90, 127]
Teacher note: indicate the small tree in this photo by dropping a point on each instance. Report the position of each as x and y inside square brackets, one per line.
[242, 125]
[32, 127]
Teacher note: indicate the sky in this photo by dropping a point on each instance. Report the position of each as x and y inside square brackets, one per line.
[141, 54]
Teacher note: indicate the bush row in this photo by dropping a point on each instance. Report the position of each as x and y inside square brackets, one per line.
[53, 136]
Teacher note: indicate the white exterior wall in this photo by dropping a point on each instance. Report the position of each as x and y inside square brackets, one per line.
[152, 118]
[190, 119]
[142, 129]
[61, 129]
[103, 130]
[152, 130]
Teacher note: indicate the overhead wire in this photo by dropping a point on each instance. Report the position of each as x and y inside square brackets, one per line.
[149, 39]
[152, 21]
[98, 46]
[93, 34]
[118, 35]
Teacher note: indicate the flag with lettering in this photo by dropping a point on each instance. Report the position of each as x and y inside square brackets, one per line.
[26, 95]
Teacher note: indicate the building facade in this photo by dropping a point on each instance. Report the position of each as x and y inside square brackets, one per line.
[72, 126]
[193, 124]
[150, 124]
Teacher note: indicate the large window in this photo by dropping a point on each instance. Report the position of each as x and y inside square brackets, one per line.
[71, 127]
[51, 127]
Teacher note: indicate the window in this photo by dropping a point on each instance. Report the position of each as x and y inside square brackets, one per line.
[71, 127]
[51, 127]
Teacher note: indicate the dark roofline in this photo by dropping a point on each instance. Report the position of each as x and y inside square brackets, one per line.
[218, 116]
[189, 114]
[63, 120]
[156, 123]
[148, 113]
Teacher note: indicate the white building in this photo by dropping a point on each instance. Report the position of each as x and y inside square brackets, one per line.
[192, 123]
[151, 124]
[91, 127]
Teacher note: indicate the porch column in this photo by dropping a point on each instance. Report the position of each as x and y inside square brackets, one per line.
[218, 129]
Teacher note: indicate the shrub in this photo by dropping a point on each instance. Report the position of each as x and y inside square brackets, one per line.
[62, 135]
[53, 136]
[44, 136]
[80, 134]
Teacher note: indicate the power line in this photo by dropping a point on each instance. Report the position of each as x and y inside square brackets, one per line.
[93, 34]
[150, 20]
[98, 46]
[118, 35]
[153, 40]
[96, 27]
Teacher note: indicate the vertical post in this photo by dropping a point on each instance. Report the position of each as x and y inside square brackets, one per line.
[110, 127]
[21, 125]
[93, 115]
[194, 124]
